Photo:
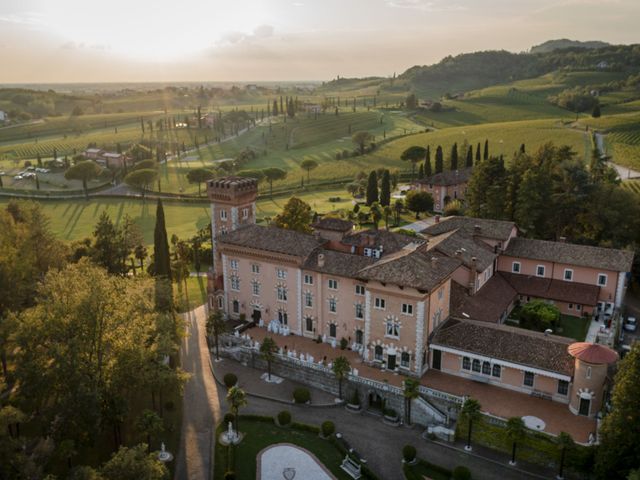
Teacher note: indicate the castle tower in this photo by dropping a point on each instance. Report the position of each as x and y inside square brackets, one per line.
[233, 204]
[590, 374]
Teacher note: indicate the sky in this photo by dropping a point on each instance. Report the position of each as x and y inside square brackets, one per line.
[49, 41]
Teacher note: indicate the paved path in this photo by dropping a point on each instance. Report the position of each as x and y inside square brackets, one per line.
[201, 406]
[623, 172]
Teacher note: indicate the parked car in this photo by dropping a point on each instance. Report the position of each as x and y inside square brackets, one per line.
[18, 177]
[631, 324]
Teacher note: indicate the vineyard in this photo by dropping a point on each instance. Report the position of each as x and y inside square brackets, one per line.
[632, 186]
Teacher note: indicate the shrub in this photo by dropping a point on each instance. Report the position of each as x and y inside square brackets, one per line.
[305, 428]
[390, 412]
[319, 339]
[409, 453]
[230, 476]
[228, 417]
[327, 428]
[230, 379]
[343, 343]
[301, 395]
[284, 418]
[355, 398]
[334, 199]
[461, 473]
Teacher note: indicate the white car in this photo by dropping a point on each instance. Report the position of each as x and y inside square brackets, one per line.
[631, 324]
[18, 177]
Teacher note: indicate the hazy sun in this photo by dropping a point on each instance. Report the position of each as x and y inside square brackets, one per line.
[164, 31]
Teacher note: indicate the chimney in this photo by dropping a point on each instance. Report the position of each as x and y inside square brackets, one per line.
[458, 253]
[434, 261]
[321, 260]
[562, 239]
[473, 273]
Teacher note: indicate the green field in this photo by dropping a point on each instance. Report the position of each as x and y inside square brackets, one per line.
[504, 139]
[75, 219]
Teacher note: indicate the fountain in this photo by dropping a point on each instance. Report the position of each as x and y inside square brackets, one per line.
[230, 437]
[163, 455]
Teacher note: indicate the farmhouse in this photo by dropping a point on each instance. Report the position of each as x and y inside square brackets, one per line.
[445, 186]
[106, 159]
[419, 305]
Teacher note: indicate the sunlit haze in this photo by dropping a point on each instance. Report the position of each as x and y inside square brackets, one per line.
[127, 40]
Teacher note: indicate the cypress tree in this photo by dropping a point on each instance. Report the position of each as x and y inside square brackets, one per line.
[478, 157]
[454, 156]
[421, 171]
[275, 108]
[162, 262]
[385, 188]
[469, 162]
[427, 163]
[486, 150]
[596, 111]
[372, 188]
[522, 148]
[439, 160]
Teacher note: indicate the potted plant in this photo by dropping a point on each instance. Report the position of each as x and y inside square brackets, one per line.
[354, 402]
[390, 415]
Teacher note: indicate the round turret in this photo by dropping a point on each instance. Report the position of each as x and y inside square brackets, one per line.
[591, 363]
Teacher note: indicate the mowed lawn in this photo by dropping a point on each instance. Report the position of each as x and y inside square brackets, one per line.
[75, 219]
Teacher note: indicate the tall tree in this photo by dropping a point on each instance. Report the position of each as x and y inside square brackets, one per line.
[486, 149]
[413, 154]
[199, 176]
[421, 171]
[361, 139]
[341, 368]
[308, 165]
[272, 174]
[385, 189]
[134, 464]
[439, 160]
[478, 155]
[296, 215]
[411, 102]
[427, 163]
[469, 161]
[419, 202]
[596, 111]
[162, 262]
[236, 398]
[216, 326]
[470, 412]
[376, 214]
[565, 445]
[410, 393]
[619, 448]
[372, 188]
[142, 179]
[150, 424]
[268, 350]
[486, 190]
[453, 160]
[515, 432]
[85, 171]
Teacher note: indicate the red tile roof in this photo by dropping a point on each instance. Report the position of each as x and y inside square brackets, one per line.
[592, 353]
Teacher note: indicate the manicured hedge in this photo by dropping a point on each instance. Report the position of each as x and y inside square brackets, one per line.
[284, 418]
[230, 379]
[301, 395]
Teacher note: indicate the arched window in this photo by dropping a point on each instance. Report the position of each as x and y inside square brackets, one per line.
[377, 353]
[236, 306]
[282, 317]
[405, 359]
[496, 371]
[466, 363]
[359, 337]
[486, 368]
[309, 324]
[332, 330]
[476, 365]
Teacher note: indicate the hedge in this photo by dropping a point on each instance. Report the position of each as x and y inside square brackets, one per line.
[230, 379]
[284, 418]
[301, 395]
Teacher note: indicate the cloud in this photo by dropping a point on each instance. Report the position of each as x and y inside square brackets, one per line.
[259, 33]
[425, 5]
[27, 19]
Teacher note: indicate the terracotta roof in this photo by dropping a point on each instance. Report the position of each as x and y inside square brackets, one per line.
[272, 239]
[487, 305]
[412, 268]
[337, 263]
[494, 229]
[389, 241]
[510, 344]
[571, 254]
[592, 353]
[335, 224]
[553, 289]
[448, 177]
[458, 244]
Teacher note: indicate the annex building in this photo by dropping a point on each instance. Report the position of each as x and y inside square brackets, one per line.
[411, 305]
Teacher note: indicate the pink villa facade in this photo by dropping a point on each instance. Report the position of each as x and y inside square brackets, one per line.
[414, 304]
[445, 186]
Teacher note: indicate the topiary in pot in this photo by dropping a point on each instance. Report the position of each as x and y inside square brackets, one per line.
[230, 379]
[284, 418]
[301, 395]
[461, 473]
[355, 398]
[327, 428]
[409, 453]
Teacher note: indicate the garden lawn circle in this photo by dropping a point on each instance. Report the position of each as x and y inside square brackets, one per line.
[273, 460]
[534, 423]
